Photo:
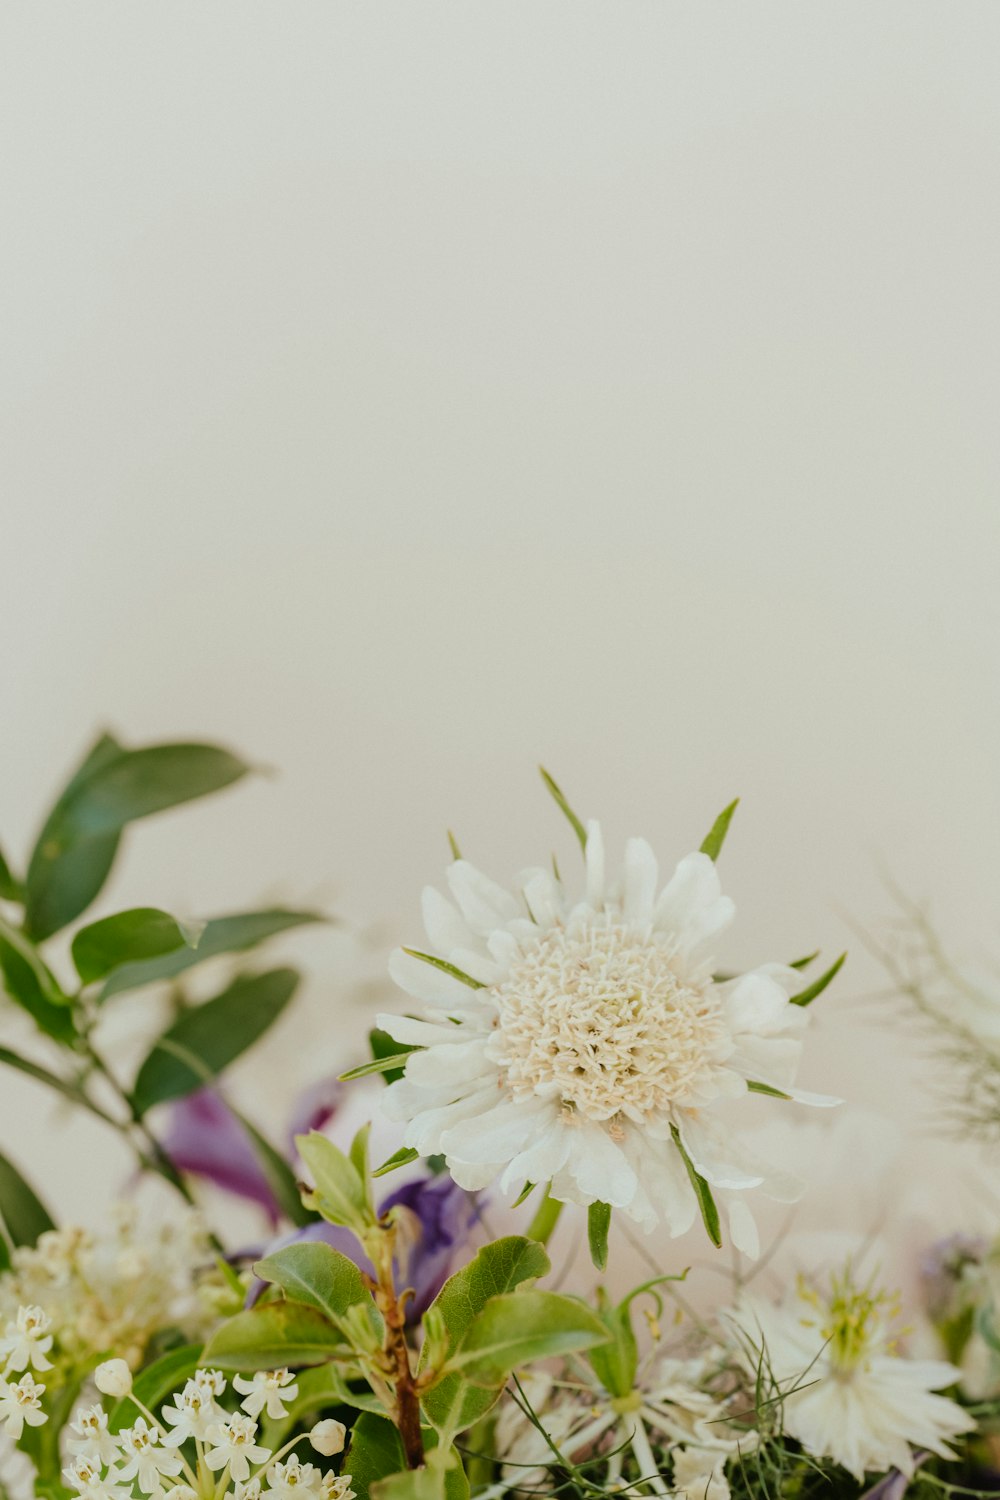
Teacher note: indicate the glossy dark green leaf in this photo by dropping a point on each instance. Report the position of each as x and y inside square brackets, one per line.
[806, 996]
[598, 1224]
[702, 1191]
[129, 937]
[375, 1452]
[28, 981]
[232, 934]
[114, 787]
[515, 1329]
[559, 799]
[275, 1334]
[716, 836]
[203, 1041]
[24, 1215]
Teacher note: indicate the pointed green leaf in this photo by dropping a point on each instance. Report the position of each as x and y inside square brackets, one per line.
[375, 1452]
[616, 1362]
[24, 1215]
[446, 968]
[393, 1064]
[233, 934]
[143, 932]
[456, 852]
[515, 1329]
[27, 981]
[10, 886]
[274, 1334]
[400, 1158]
[716, 836]
[702, 1191]
[803, 963]
[598, 1224]
[754, 1087]
[806, 996]
[524, 1194]
[203, 1041]
[64, 1086]
[340, 1194]
[556, 793]
[114, 787]
[279, 1175]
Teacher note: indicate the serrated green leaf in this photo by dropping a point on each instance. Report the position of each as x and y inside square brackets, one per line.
[316, 1274]
[114, 787]
[143, 932]
[702, 1191]
[558, 797]
[806, 996]
[24, 1215]
[598, 1224]
[716, 836]
[275, 1334]
[203, 1041]
[237, 933]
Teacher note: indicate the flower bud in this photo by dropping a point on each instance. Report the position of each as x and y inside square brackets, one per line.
[113, 1378]
[328, 1437]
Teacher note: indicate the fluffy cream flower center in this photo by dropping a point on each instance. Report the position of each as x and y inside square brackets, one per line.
[597, 1015]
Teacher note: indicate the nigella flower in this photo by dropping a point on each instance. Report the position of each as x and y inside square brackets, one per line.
[845, 1392]
[582, 1039]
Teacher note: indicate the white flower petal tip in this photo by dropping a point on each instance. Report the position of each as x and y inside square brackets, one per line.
[113, 1378]
[565, 1035]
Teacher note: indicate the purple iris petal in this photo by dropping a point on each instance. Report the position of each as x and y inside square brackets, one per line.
[443, 1215]
[314, 1108]
[893, 1486]
[206, 1140]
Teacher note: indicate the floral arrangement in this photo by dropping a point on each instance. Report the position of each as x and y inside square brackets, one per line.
[566, 1066]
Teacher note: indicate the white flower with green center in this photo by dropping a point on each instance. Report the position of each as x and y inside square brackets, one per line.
[845, 1391]
[583, 1040]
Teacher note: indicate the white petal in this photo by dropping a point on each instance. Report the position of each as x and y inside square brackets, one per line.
[691, 907]
[594, 856]
[743, 1228]
[641, 876]
[599, 1167]
[499, 1134]
[451, 1065]
[444, 926]
[484, 904]
[543, 896]
[425, 982]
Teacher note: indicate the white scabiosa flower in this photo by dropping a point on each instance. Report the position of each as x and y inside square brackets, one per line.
[582, 1039]
[844, 1390]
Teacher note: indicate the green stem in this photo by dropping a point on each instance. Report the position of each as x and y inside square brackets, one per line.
[545, 1220]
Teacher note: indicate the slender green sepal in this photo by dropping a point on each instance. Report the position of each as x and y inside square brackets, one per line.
[446, 968]
[709, 1211]
[559, 799]
[716, 835]
[598, 1224]
[807, 996]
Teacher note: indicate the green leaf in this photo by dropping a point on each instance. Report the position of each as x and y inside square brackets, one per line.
[10, 886]
[702, 1191]
[143, 932]
[598, 1224]
[803, 963]
[375, 1452]
[557, 796]
[393, 1064]
[515, 1329]
[446, 968]
[233, 934]
[716, 836]
[497, 1268]
[275, 1334]
[203, 1041]
[316, 1274]
[28, 982]
[155, 1383]
[114, 787]
[456, 852]
[400, 1158]
[340, 1194]
[24, 1215]
[806, 996]
[616, 1362]
[754, 1087]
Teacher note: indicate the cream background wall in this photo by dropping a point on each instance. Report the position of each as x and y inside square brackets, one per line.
[407, 394]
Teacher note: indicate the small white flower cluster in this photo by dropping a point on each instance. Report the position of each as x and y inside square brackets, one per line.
[114, 1290]
[227, 1459]
[24, 1347]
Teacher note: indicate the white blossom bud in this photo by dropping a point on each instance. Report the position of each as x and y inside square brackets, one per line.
[328, 1437]
[113, 1378]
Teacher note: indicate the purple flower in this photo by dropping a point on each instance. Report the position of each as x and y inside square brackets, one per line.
[440, 1217]
[314, 1108]
[206, 1140]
